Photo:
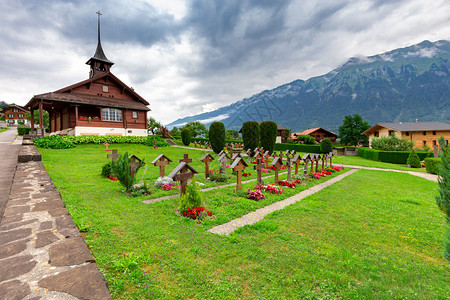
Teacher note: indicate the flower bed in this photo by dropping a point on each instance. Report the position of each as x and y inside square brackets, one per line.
[255, 194]
[286, 183]
[170, 186]
[197, 213]
[246, 174]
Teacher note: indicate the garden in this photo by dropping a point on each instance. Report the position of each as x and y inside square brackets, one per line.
[354, 239]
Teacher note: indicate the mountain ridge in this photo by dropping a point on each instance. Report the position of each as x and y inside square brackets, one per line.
[403, 84]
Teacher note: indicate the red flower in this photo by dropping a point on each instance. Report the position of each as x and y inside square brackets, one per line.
[112, 178]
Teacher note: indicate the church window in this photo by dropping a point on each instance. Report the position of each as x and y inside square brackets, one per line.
[111, 114]
[135, 115]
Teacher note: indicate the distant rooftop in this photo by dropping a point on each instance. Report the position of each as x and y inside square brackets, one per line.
[411, 126]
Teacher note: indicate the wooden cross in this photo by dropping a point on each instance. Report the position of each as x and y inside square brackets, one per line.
[206, 159]
[222, 152]
[195, 144]
[249, 155]
[154, 144]
[257, 155]
[238, 166]
[296, 160]
[256, 149]
[317, 162]
[114, 155]
[134, 164]
[106, 145]
[235, 155]
[186, 159]
[289, 165]
[330, 156]
[258, 167]
[182, 173]
[306, 158]
[223, 162]
[266, 158]
[293, 152]
[230, 151]
[274, 154]
[281, 156]
[277, 164]
[161, 161]
[287, 153]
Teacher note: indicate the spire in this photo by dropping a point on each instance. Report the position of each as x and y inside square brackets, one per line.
[99, 62]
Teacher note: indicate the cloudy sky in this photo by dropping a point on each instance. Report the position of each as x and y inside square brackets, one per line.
[189, 57]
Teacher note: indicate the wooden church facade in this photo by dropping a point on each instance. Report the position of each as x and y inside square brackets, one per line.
[100, 105]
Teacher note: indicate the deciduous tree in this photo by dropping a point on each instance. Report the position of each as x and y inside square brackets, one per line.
[351, 129]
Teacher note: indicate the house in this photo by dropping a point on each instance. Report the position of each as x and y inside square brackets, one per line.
[317, 133]
[422, 133]
[100, 105]
[15, 115]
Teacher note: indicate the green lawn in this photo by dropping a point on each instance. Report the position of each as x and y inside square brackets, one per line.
[355, 239]
[3, 130]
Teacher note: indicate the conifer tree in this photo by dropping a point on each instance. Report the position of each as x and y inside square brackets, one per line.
[443, 200]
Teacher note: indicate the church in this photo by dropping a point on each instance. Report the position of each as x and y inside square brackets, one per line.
[100, 105]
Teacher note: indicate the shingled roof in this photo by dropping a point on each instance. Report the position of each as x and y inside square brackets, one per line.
[410, 126]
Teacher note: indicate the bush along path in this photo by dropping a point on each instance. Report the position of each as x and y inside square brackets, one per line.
[259, 214]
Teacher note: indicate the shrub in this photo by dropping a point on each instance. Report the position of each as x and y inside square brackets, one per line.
[299, 176]
[297, 147]
[121, 168]
[217, 136]
[160, 142]
[306, 139]
[432, 164]
[413, 160]
[250, 134]
[268, 135]
[161, 181]
[106, 170]
[368, 153]
[186, 136]
[217, 177]
[392, 143]
[21, 130]
[53, 142]
[326, 146]
[192, 198]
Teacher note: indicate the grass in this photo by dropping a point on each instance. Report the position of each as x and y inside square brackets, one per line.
[3, 129]
[359, 161]
[356, 239]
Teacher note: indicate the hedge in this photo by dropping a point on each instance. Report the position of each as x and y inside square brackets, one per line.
[21, 130]
[394, 157]
[432, 164]
[297, 147]
[112, 139]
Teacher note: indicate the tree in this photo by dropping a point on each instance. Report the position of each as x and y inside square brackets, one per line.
[231, 134]
[186, 136]
[217, 136]
[287, 135]
[196, 128]
[351, 129]
[153, 125]
[443, 200]
[175, 132]
[391, 143]
[306, 139]
[45, 117]
[268, 135]
[326, 146]
[250, 134]
[413, 160]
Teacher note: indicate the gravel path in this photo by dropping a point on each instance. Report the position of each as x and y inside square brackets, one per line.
[427, 176]
[259, 214]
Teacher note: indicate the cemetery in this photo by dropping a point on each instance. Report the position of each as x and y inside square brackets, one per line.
[146, 248]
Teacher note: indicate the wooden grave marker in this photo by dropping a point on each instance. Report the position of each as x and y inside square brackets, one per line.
[281, 156]
[223, 159]
[274, 154]
[161, 161]
[238, 166]
[230, 151]
[289, 166]
[154, 144]
[313, 161]
[296, 161]
[235, 155]
[186, 158]
[258, 155]
[206, 159]
[106, 145]
[330, 156]
[134, 164]
[114, 155]
[258, 167]
[249, 155]
[306, 158]
[277, 164]
[182, 173]
[318, 157]
[266, 158]
[293, 152]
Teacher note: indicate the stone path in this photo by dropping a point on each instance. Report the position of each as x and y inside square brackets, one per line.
[42, 254]
[424, 175]
[260, 213]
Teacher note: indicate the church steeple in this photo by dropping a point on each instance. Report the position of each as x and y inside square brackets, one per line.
[99, 63]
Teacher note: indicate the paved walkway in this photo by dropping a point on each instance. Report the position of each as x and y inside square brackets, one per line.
[260, 213]
[42, 254]
[8, 154]
[424, 175]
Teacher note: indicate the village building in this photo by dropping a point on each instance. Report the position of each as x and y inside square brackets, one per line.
[100, 105]
[422, 133]
[317, 133]
[15, 115]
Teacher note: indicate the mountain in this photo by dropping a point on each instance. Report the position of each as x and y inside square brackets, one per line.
[397, 86]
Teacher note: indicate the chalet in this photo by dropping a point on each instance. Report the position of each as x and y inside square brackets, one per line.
[317, 133]
[15, 115]
[422, 133]
[100, 105]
